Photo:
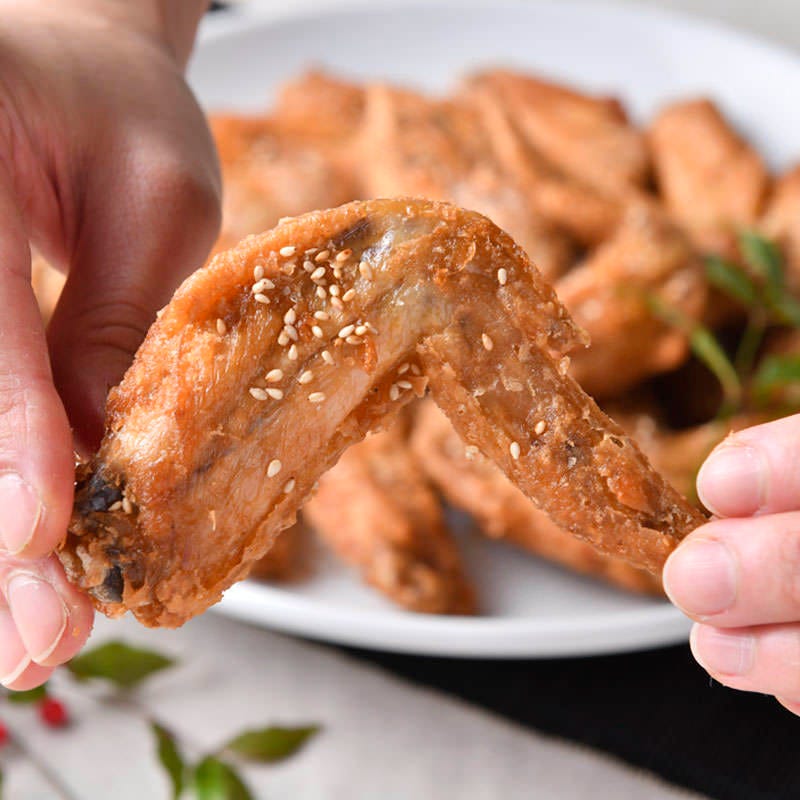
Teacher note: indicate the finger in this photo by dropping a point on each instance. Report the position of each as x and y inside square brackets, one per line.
[762, 659]
[738, 572]
[754, 471]
[31, 677]
[36, 460]
[147, 227]
[51, 617]
[790, 705]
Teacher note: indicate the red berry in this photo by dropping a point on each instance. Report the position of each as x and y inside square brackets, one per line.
[53, 712]
[3, 735]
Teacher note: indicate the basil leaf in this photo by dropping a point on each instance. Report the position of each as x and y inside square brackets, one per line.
[123, 665]
[776, 372]
[170, 758]
[765, 258]
[732, 280]
[29, 696]
[270, 744]
[216, 780]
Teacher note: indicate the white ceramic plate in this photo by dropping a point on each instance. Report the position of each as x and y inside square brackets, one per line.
[530, 609]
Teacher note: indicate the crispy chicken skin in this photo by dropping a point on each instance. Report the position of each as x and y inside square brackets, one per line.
[241, 397]
[470, 482]
[378, 511]
[587, 138]
[710, 179]
[608, 296]
[439, 149]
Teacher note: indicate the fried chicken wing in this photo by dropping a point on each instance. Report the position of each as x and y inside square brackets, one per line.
[781, 222]
[377, 511]
[711, 180]
[470, 482]
[569, 205]
[280, 353]
[269, 172]
[439, 149]
[287, 558]
[587, 138]
[609, 296]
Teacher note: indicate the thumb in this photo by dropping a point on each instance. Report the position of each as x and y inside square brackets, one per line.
[36, 466]
[144, 232]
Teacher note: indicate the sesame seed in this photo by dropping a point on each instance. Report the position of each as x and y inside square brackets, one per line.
[262, 285]
[344, 255]
[349, 295]
[403, 368]
[127, 506]
[337, 303]
[415, 370]
[287, 251]
[289, 486]
[293, 353]
[514, 450]
[354, 340]
[321, 293]
[261, 298]
[291, 332]
[283, 338]
[405, 384]
[334, 290]
[502, 276]
[394, 392]
[290, 316]
[487, 341]
[346, 331]
[275, 394]
[361, 330]
[311, 251]
[115, 506]
[308, 266]
[275, 375]
[318, 273]
[540, 427]
[306, 377]
[323, 315]
[563, 365]
[323, 255]
[274, 468]
[365, 270]
[316, 397]
[327, 357]
[317, 331]
[258, 272]
[337, 273]
[222, 328]
[371, 327]
[258, 394]
[288, 268]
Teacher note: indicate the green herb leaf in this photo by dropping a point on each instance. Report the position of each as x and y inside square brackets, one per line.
[731, 279]
[786, 310]
[270, 744]
[123, 665]
[29, 696]
[170, 758]
[216, 780]
[776, 372]
[765, 258]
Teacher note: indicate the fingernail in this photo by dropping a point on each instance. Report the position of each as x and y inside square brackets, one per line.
[732, 481]
[723, 653]
[20, 512]
[39, 614]
[14, 659]
[700, 578]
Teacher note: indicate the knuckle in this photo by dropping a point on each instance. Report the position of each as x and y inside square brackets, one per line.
[187, 189]
[117, 323]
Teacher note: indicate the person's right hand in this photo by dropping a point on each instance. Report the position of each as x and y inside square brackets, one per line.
[107, 166]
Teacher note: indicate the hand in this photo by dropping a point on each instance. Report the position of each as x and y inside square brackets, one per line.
[738, 576]
[107, 166]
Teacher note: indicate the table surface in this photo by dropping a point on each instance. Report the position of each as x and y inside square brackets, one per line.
[381, 737]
